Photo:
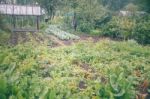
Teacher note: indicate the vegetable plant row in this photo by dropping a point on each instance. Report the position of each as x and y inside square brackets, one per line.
[53, 29]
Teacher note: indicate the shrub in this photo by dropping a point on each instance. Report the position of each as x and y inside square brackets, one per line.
[85, 27]
[142, 30]
[119, 27]
[111, 29]
[103, 20]
[95, 32]
[128, 28]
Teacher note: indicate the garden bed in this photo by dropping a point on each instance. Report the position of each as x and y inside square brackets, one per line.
[106, 69]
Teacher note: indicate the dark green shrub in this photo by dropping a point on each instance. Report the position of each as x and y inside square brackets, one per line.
[142, 33]
[142, 30]
[95, 32]
[111, 29]
[102, 21]
[123, 26]
[85, 27]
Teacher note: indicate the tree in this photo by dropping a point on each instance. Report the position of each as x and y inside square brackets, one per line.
[25, 2]
[132, 8]
[114, 4]
[74, 4]
[86, 13]
[2, 1]
[143, 4]
[50, 6]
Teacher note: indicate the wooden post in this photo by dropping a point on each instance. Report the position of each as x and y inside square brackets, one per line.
[37, 22]
[13, 17]
[14, 22]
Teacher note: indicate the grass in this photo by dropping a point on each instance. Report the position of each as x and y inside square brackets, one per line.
[4, 37]
[104, 70]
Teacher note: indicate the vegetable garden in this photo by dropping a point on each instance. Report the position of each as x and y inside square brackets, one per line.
[104, 70]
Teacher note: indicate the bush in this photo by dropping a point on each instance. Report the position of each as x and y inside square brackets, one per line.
[111, 29]
[119, 28]
[142, 31]
[103, 20]
[85, 27]
[128, 28]
[95, 32]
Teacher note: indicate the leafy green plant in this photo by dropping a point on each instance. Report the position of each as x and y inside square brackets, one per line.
[51, 94]
[121, 87]
[3, 88]
[59, 33]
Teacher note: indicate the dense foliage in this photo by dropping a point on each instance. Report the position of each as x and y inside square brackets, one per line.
[95, 17]
[103, 18]
[105, 70]
[128, 28]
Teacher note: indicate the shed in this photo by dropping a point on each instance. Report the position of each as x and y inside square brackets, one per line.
[22, 11]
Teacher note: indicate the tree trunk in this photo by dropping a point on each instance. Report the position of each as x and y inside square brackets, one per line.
[74, 22]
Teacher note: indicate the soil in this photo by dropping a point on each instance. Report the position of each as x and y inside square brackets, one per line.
[143, 93]
[82, 85]
[15, 37]
[23, 37]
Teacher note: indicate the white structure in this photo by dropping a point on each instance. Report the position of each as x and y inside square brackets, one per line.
[129, 13]
[10, 9]
[125, 13]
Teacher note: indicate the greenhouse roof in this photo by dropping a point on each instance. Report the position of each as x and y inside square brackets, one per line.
[10, 9]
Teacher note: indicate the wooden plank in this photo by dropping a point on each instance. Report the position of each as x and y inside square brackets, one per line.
[24, 30]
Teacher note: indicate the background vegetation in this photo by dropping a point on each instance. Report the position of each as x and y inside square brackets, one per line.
[98, 17]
